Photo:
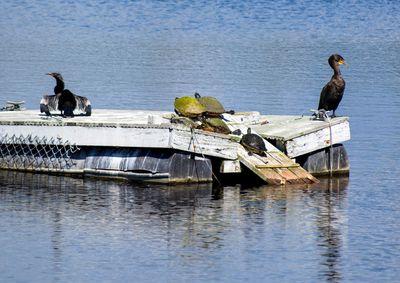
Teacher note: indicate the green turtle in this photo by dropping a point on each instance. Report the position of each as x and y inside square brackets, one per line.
[253, 143]
[213, 107]
[216, 125]
[188, 106]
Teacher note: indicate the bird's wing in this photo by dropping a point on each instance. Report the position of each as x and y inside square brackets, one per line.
[83, 104]
[51, 101]
[324, 96]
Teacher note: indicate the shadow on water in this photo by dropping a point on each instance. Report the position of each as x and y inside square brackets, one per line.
[192, 220]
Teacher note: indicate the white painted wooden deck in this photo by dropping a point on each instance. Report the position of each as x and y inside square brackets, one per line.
[118, 128]
[302, 134]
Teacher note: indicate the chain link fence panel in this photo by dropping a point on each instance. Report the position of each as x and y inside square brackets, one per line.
[34, 152]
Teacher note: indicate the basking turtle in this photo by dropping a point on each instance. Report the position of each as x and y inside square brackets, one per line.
[213, 107]
[188, 122]
[253, 143]
[216, 125]
[188, 106]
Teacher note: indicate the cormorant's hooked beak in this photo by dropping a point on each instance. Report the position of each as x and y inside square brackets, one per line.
[57, 76]
[343, 62]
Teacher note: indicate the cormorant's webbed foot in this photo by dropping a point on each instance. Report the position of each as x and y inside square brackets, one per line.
[321, 114]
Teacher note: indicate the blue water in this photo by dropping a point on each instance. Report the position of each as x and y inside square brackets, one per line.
[266, 56]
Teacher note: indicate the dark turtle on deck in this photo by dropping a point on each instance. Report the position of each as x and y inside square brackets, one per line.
[213, 107]
[253, 143]
[188, 106]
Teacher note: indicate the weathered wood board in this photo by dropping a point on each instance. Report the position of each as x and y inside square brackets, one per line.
[230, 166]
[117, 128]
[203, 143]
[95, 136]
[99, 118]
[275, 168]
[318, 140]
[300, 135]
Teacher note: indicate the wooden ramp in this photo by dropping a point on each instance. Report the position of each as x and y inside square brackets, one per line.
[275, 168]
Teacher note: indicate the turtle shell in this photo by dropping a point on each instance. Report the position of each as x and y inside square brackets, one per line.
[253, 143]
[216, 125]
[188, 106]
[211, 104]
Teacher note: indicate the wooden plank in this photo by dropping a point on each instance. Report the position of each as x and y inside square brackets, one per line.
[295, 165]
[297, 171]
[274, 170]
[318, 140]
[289, 127]
[230, 166]
[95, 136]
[205, 143]
[100, 117]
[281, 167]
[302, 135]
[267, 174]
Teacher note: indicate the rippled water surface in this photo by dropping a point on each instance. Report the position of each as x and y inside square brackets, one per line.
[252, 55]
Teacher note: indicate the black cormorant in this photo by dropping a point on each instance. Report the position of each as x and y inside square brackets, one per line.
[332, 93]
[64, 100]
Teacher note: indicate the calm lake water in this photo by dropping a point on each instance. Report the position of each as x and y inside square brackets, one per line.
[267, 56]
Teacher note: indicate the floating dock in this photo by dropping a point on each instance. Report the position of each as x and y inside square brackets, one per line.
[315, 144]
[150, 146]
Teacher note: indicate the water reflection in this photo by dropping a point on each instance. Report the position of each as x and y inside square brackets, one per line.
[325, 206]
[183, 225]
[331, 220]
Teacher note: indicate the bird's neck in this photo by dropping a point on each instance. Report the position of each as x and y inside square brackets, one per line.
[59, 87]
[336, 71]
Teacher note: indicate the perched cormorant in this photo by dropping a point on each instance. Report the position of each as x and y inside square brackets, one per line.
[332, 93]
[64, 100]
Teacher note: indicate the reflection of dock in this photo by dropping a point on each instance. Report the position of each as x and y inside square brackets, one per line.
[146, 145]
